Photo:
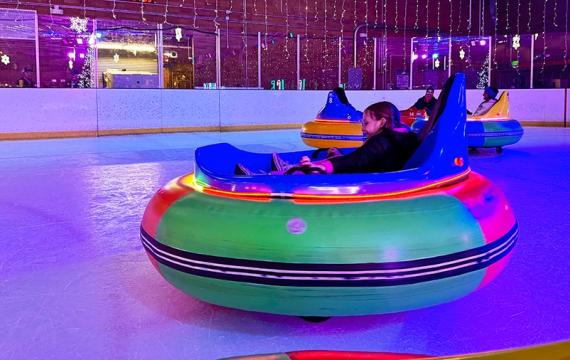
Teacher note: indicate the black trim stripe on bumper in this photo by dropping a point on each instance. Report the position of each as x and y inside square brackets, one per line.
[331, 275]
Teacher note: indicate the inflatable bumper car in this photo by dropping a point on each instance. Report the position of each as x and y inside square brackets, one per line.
[494, 129]
[338, 124]
[334, 245]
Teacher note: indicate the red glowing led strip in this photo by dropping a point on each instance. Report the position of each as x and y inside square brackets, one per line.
[266, 197]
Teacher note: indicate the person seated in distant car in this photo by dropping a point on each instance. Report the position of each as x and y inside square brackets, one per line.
[489, 99]
[427, 101]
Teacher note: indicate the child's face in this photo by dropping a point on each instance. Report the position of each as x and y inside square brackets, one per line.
[370, 125]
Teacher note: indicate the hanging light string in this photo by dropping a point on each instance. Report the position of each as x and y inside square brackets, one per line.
[316, 11]
[142, 11]
[529, 15]
[50, 16]
[566, 39]
[396, 19]
[385, 40]
[482, 30]
[216, 23]
[438, 16]
[375, 14]
[518, 33]
[544, 38]
[518, 17]
[342, 25]
[469, 23]
[113, 10]
[554, 19]
[306, 31]
[166, 13]
[355, 18]
[405, 39]
[325, 44]
[427, 19]
[366, 50]
[507, 25]
[244, 39]
[195, 15]
[495, 39]
[334, 10]
[460, 14]
[287, 54]
[342, 15]
[254, 7]
[228, 12]
[266, 22]
[416, 26]
[450, 30]
[451, 20]
[366, 16]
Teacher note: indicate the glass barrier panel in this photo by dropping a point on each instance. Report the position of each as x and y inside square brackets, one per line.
[470, 55]
[67, 52]
[239, 60]
[319, 63]
[204, 60]
[17, 48]
[511, 65]
[278, 62]
[177, 58]
[127, 55]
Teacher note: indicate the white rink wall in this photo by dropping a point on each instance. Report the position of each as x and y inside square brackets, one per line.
[86, 112]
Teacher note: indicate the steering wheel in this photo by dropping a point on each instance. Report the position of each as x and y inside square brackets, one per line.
[307, 170]
[316, 153]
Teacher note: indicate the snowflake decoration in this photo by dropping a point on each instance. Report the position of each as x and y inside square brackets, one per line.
[5, 60]
[116, 58]
[437, 63]
[78, 25]
[178, 34]
[462, 54]
[516, 42]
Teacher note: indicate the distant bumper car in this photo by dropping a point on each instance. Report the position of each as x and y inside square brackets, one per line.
[494, 129]
[412, 115]
[334, 245]
[338, 124]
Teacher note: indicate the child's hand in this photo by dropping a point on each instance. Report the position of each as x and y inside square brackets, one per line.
[332, 152]
[305, 161]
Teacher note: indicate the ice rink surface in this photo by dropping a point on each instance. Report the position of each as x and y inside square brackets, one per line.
[75, 282]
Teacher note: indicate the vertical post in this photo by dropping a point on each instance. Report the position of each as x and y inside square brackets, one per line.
[218, 60]
[490, 42]
[339, 60]
[259, 59]
[411, 63]
[531, 61]
[160, 50]
[449, 62]
[375, 62]
[38, 83]
[193, 65]
[95, 69]
[298, 59]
